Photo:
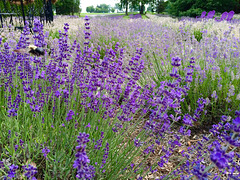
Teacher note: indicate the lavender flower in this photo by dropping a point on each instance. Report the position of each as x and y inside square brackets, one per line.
[105, 156]
[16, 147]
[12, 171]
[30, 171]
[149, 149]
[236, 125]
[220, 158]
[84, 170]
[176, 61]
[187, 120]
[99, 142]
[137, 142]
[198, 171]
[45, 151]
[174, 73]
[70, 115]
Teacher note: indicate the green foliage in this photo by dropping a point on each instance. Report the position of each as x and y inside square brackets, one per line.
[102, 8]
[191, 12]
[54, 34]
[118, 6]
[67, 7]
[112, 10]
[90, 9]
[160, 6]
[198, 34]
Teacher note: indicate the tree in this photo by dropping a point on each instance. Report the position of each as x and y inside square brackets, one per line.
[90, 9]
[151, 8]
[76, 6]
[161, 6]
[103, 8]
[67, 7]
[133, 6]
[112, 10]
[124, 4]
[118, 6]
[142, 4]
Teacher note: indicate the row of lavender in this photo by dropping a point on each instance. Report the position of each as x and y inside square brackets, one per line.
[123, 92]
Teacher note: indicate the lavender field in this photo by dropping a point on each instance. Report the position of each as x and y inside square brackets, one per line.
[116, 98]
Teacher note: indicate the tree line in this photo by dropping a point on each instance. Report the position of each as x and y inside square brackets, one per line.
[191, 8]
[102, 8]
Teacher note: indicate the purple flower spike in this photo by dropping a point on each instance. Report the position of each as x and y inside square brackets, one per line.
[198, 171]
[11, 173]
[105, 156]
[187, 119]
[176, 61]
[236, 124]
[70, 115]
[220, 158]
[45, 151]
[192, 60]
[189, 79]
[174, 73]
[86, 18]
[84, 170]
[30, 172]
[137, 142]
[99, 142]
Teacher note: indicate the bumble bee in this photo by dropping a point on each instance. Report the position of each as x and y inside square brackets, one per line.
[37, 51]
[34, 50]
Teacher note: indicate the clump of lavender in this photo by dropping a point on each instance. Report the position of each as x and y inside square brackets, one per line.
[84, 170]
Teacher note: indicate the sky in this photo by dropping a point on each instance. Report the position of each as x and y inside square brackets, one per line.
[85, 3]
